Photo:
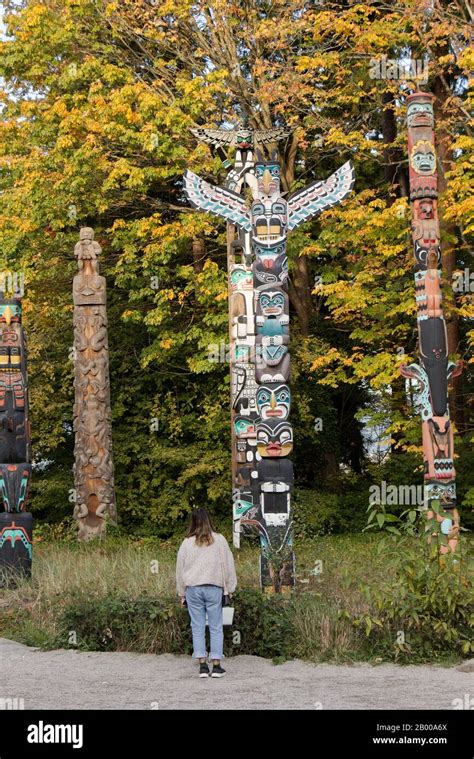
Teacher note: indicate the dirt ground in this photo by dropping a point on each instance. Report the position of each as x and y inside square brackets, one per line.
[68, 679]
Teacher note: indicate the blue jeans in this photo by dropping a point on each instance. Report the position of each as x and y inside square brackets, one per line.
[202, 598]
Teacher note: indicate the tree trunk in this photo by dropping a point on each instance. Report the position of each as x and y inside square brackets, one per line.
[300, 285]
[199, 254]
[393, 172]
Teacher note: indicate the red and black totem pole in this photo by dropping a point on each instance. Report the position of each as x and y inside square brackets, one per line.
[434, 370]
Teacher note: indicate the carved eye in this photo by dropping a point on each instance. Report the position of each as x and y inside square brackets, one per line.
[241, 426]
[264, 301]
[262, 437]
[279, 208]
[263, 397]
[258, 209]
[283, 396]
[285, 437]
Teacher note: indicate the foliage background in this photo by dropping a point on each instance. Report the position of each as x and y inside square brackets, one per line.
[96, 103]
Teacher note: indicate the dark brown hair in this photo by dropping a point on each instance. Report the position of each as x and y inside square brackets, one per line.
[201, 527]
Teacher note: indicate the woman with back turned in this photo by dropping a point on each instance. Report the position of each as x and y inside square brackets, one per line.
[204, 571]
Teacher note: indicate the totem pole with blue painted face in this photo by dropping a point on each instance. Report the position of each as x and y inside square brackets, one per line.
[435, 370]
[16, 524]
[260, 376]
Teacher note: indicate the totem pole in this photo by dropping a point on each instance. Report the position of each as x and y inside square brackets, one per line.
[93, 466]
[434, 370]
[259, 329]
[16, 524]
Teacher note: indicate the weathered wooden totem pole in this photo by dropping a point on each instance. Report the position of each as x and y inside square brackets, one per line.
[262, 436]
[16, 524]
[434, 370]
[93, 466]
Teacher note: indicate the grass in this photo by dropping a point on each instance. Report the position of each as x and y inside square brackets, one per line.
[332, 572]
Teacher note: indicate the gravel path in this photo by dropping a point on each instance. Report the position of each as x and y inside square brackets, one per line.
[68, 679]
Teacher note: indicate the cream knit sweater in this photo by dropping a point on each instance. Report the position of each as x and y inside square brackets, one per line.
[204, 565]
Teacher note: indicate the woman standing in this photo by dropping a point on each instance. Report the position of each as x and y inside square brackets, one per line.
[204, 571]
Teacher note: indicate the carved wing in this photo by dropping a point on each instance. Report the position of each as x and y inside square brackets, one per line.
[218, 137]
[271, 135]
[224, 203]
[311, 200]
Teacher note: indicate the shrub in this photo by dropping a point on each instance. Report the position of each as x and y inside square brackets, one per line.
[161, 625]
[320, 513]
[424, 608]
[114, 623]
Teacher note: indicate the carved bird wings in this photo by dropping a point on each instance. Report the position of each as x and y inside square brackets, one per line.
[311, 200]
[302, 205]
[214, 199]
[221, 138]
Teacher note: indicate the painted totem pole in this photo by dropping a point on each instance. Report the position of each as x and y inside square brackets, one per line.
[259, 319]
[93, 466]
[434, 370]
[16, 524]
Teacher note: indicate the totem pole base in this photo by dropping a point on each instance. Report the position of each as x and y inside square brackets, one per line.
[284, 583]
[16, 544]
[90, 528]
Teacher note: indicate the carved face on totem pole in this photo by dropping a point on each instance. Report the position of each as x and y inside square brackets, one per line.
[10, 335]
[421, 150]
[423, 158]
[270, 227]
[438, 444]
[10, 311]
[273, 401]
[272, 310]
[245, 427]
[271, 350]
[244, 139]
[274, 438]
[425, 233]
[420, 114]
[240, 279]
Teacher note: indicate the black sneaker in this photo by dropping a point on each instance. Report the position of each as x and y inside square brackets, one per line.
[217, 671]
[203, 670]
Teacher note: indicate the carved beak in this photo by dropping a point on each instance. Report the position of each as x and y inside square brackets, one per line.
[8, 314]
[267, 178]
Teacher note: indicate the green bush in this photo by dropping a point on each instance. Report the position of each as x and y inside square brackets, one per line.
[424, 612]
[424, 607]
[265, 625]
[119, 623]
[160, 625]
[317, 513]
